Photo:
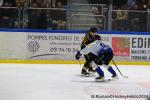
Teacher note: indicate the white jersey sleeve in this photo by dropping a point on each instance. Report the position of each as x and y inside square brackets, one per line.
[93, 47]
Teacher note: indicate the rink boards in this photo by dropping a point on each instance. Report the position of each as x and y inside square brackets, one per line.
[66, 62]
[41, 46]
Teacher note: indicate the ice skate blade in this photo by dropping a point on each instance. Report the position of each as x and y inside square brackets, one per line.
[87, 75]
[104, 80]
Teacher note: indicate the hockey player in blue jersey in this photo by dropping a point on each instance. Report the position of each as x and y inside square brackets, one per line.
[99, 54]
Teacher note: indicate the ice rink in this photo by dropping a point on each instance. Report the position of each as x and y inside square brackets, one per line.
[63, 82]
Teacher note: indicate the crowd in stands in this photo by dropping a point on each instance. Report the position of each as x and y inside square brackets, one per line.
[128, 15]
[33, 3]
[47, 18]
[136, 18]
[125, 4]
[54, 14]
[54, 17]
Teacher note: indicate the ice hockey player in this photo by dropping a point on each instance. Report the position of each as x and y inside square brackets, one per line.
[89, 37]
[99, 54]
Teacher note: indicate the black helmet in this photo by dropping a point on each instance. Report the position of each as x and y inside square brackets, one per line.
[93, 29]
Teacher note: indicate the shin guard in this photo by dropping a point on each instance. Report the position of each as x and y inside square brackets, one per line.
[99, 71]
[110, 69]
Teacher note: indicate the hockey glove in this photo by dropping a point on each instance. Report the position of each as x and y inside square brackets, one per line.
[78, 54]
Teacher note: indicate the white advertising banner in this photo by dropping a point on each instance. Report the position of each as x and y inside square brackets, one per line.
[13, 45]
[140, 48]
[53, 45]
[63, 45]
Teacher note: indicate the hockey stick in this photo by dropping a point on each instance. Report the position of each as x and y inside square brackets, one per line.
[119, 70]
[79, 63]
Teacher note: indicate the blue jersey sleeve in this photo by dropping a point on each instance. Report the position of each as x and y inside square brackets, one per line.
[105, 49]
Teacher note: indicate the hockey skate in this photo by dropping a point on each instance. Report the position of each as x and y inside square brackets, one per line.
[100, 79]
[115, 77]
[85, 73]
[91, 72]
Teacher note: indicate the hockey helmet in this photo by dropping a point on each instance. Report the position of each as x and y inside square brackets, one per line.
[93, 29]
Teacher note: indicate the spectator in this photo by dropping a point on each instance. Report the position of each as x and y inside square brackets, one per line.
[59, 5]
[42, 20]
[149, 5]
[63, 2]
[1, 3]
[6, 16]
[59, 18]
[137, 21]
[131, 4]
[47, 4]
[120, 21]
[21, 4]
[11, 3]
[119, 4]
[143, 4]
[37, 19]
[33, 18]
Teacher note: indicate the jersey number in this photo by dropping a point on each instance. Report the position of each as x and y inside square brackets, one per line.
[99, 43]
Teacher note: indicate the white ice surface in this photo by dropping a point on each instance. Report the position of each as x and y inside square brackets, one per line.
[63, 82]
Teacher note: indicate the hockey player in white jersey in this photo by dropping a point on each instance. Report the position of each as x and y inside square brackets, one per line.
[99, 54]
